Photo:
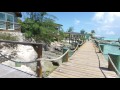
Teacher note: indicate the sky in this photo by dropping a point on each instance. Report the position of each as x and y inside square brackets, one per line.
[105, 24]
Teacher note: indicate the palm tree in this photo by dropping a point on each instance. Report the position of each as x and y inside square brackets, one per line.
[40, 16]
[71, 29]
[92, 31]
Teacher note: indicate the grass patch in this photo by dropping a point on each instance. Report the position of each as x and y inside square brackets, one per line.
[8, 36]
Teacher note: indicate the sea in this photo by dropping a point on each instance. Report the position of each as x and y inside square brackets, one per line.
[111, 49]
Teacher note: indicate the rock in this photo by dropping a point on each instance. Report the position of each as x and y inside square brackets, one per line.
[57, 63]
[26, 53]
[47, 68]
[46, 47]
[58, 48]
[1, 46]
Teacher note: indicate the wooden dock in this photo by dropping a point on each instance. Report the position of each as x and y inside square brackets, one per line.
[8, 72]
[86, 62]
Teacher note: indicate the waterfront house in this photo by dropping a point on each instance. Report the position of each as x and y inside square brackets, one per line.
[8, 21]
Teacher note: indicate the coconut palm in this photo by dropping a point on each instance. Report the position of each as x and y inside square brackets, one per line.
[71, 29]
[92, 31]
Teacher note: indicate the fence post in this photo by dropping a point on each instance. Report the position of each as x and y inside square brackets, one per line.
[39, 67]
[102, 48]
[38, 49]
[65, 58]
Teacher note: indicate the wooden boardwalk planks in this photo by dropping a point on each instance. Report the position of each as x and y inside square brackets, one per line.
[84, 63]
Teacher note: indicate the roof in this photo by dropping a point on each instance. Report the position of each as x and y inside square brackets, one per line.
[18, 14]
[75, 33]
[59, 24]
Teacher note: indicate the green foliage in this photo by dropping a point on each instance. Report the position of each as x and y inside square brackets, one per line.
[10, 37]
[19, 20]
[62, 35]
[41, 28]
[82, 37]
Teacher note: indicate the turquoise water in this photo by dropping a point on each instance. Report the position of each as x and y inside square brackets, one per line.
[111, 49]
[112, 38]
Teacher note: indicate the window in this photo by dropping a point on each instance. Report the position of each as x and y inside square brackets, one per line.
[10, 19]
[5, 17]
[2, 17]
[2, 21]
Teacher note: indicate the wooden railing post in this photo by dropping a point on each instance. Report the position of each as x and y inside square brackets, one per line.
[65, 58]
[102, 48]
[38, 49]
[77, 47]
[39, 67]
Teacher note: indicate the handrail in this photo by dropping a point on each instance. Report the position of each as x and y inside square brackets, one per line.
[23, 43]
[111, 62]
[37, 49]
[39, 59]
[76, 47]
[17, 61]
[54, 58]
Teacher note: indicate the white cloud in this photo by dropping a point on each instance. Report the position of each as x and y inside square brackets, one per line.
[76, 22]
[98, 16]
[108, 22]
[110, 33]
[106, 17]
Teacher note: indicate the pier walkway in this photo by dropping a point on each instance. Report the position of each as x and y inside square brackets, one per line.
[86, 62]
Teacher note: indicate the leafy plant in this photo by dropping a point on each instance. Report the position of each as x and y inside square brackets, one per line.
[41, 27]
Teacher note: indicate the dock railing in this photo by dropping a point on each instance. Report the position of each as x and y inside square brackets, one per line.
[38, 48]
[109, 58]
